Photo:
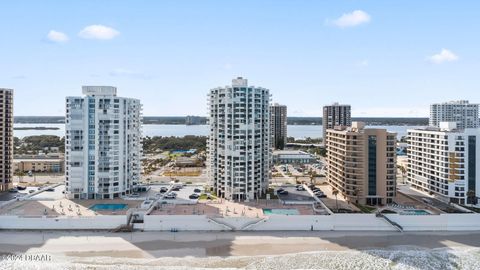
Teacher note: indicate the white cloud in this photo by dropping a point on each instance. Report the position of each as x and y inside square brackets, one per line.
[444, 56]
[98, 31]
[354, 18]
[56, 36]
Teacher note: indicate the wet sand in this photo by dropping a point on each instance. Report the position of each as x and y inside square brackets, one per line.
[205, 244]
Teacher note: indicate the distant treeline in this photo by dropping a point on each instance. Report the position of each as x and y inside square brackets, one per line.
[152, 144]
[169, 120]
[33, 144]
[39, 119]
[373, 121]
[181, 120]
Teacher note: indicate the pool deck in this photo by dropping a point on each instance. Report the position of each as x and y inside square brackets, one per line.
[64, 207]
[130, 204]
[61, 207]
[216, 208]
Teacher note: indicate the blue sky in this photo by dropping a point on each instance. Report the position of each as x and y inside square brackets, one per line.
[385, 58]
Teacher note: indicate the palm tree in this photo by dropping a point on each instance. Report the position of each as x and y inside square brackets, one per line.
[335, 193]
[313, 176]
[355, 193]
[471, 196]
[403, 171]
[20, 175]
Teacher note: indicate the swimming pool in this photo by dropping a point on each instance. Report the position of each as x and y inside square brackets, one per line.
[108, 207]
[281, 212]
[416, 212]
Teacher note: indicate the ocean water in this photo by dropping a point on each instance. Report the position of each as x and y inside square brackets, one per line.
[398, 258]
[297, 131]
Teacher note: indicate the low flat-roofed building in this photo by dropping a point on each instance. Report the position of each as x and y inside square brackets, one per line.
[188, 162]
[292, 157]
[38, 164]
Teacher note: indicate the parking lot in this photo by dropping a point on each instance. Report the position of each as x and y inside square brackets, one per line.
[53, 195]
[332, 202]
[427, 200]
[295, 195]
[183, 193]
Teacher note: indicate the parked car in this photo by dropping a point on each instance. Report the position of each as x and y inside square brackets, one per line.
[283, 192]
[194, 196]
[171, 196]
[280, 190]
[321, 196]
[31, 191]
[163, 189]
[13, 190]
[135, 195]
[21, 188]
[197, 190]
[50, 189]
[300, 188]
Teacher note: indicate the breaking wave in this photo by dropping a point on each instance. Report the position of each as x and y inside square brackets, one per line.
[401, 258]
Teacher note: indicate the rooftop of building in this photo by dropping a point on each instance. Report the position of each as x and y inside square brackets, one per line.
[446, 127]
[290, 152]
[99, 90]
[358, 127]
[38, 160]
[455, 102]
[336, 104]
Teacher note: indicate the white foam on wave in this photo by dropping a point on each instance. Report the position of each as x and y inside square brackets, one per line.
[398, 258]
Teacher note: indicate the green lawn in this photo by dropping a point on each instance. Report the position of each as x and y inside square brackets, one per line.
[365, 208]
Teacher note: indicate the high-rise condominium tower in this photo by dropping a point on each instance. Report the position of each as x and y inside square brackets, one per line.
[445, 162]
[278, 123]
[103, 144]
[461, 112]
[336, 115]
[239, 141]
[6, 138]
[361, 163]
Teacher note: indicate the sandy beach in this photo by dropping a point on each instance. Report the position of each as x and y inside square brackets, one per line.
[224, 244]
[241, 250]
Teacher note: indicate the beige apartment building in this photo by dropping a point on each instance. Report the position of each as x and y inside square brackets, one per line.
[6, 138]
[361, 163]
[39, 164]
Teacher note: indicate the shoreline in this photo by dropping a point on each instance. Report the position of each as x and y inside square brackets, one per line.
[150, 245]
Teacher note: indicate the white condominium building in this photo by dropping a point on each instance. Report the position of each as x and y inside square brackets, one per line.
[461, 112]
[239, 142]
[361, 163]
[6, 138]
[102, 144]
[444, 162]
[278, 122]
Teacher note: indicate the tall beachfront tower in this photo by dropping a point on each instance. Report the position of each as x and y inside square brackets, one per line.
[444, 162]
[461, 112]
[278, 122]
[336, 115]
[6, 138]
[361, 163]
[239, 142]
[102, 144]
